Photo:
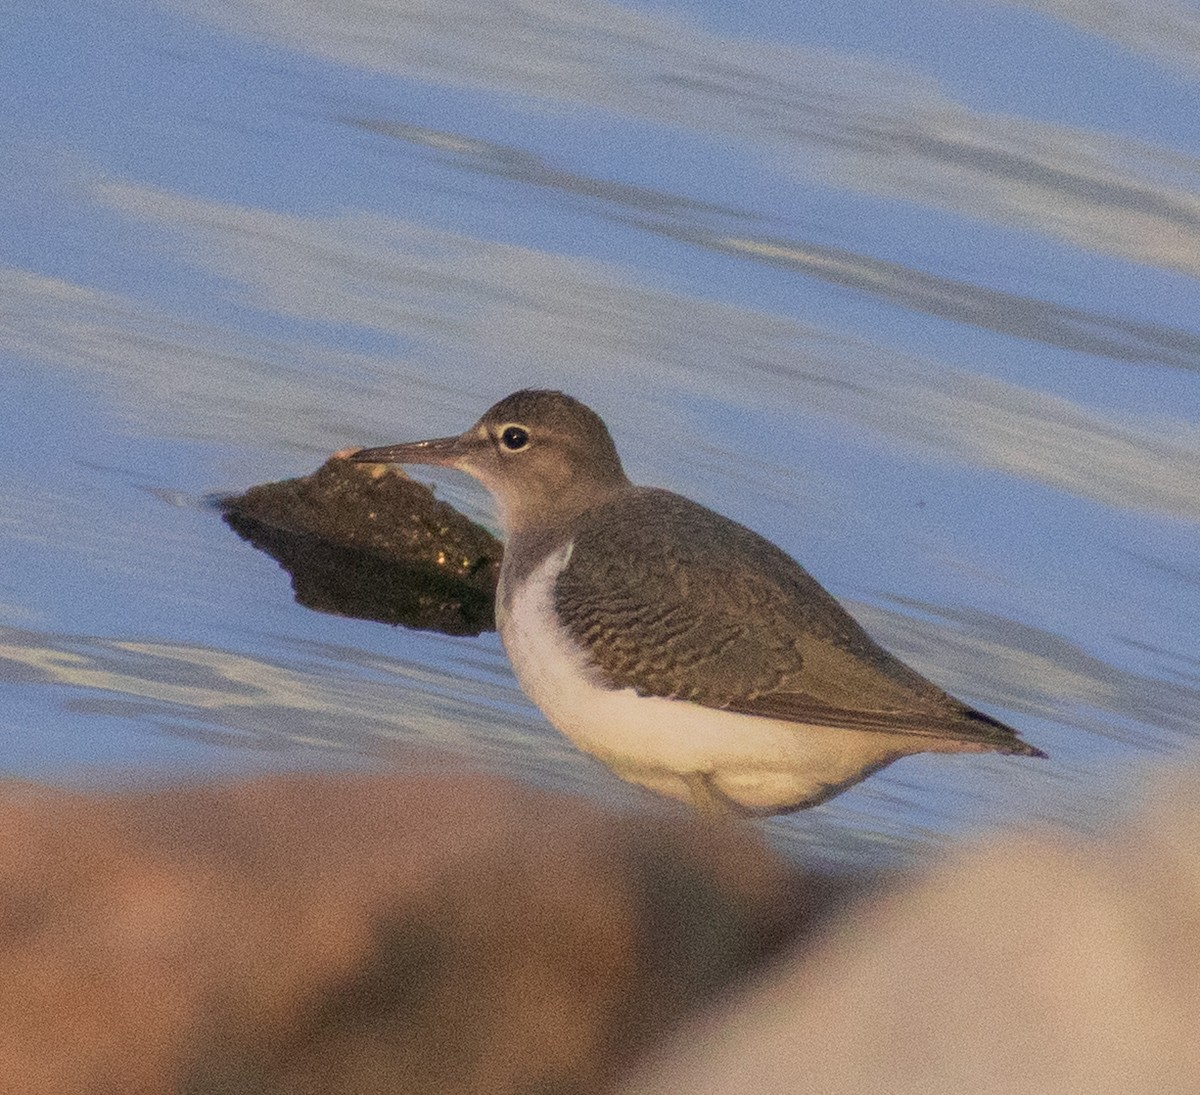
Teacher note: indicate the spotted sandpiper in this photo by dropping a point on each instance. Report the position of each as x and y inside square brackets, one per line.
[688, 653]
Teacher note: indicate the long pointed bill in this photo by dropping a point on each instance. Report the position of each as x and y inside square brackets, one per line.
[446, 451]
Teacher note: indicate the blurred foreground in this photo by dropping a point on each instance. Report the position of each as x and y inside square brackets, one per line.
[324, 934]
[462, 934]
[1037, 965]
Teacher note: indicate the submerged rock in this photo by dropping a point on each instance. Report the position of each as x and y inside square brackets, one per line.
[364, 540]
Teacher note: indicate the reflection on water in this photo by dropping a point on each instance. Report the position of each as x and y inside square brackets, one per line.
[928, 325]
[563, 322]
[947, 298]
[1037, 672]
[1167, 31]
[838, 117]
[331, 699]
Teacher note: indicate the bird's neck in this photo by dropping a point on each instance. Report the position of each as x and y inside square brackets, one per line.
[531, 534]
[551, 507]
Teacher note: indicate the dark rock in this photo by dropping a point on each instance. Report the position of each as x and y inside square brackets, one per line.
[366, 541]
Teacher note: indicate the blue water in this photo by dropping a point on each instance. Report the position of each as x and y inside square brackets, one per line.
[909, 288]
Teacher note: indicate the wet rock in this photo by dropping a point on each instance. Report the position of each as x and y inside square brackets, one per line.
[364, 540]
[363, 934]
[1037, 965]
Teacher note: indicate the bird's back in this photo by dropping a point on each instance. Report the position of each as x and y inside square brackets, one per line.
[674, 600]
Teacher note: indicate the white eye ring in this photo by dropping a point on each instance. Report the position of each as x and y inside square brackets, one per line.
[514, 437]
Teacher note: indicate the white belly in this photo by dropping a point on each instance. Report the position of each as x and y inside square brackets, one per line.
[760, 764]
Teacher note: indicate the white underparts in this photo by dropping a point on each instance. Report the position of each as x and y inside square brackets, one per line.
[758, 764]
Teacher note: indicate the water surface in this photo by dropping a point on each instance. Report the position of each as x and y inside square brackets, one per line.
[910, 288]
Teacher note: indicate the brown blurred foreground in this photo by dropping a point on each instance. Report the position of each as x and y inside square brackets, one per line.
[1041, 966]
[331, 935]
[325, 934]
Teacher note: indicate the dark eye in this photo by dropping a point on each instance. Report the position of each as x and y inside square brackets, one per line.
[514, 438]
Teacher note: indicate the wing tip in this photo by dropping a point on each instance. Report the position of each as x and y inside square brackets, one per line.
[1011, 743]
[1024, 749]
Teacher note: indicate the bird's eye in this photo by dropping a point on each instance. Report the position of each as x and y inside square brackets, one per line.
[514, 438]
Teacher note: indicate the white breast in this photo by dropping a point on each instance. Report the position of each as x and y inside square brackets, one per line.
[758, 762]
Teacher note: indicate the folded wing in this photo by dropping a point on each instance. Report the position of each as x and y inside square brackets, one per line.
[673, 600]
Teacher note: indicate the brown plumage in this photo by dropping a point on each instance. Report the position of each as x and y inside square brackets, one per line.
[674, 600]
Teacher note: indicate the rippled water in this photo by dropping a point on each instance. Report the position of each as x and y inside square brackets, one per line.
[910, 288]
